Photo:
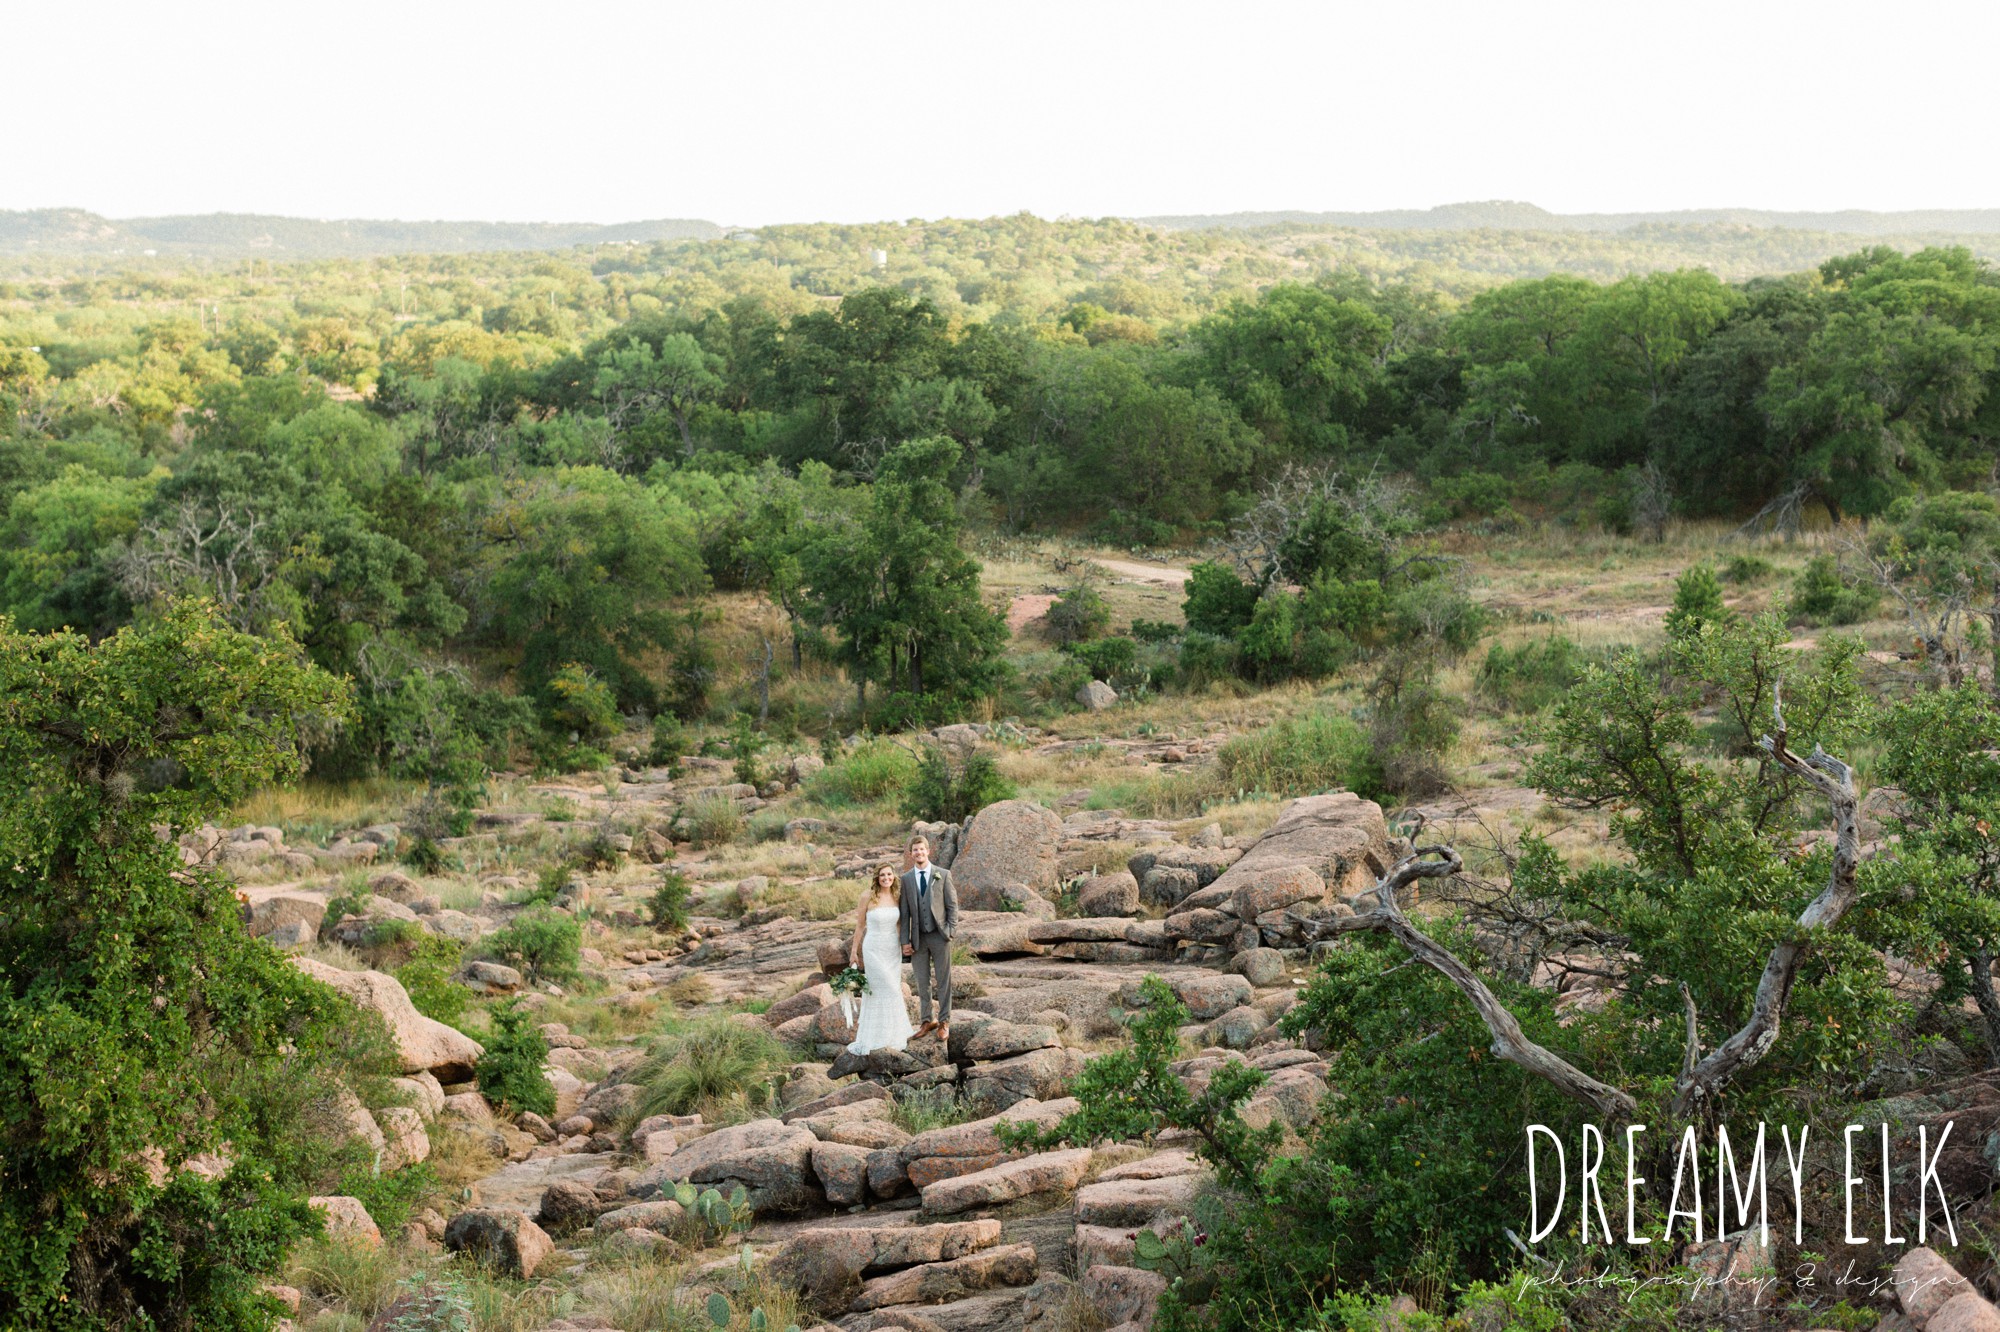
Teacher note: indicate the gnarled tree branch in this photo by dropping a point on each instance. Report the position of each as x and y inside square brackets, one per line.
[1509, 1041]
[1834, 780]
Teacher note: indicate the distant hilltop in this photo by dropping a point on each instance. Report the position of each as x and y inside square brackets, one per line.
[1505, 215]
[75, 231]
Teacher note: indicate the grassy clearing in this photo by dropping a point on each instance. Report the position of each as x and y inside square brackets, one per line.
[314, 810]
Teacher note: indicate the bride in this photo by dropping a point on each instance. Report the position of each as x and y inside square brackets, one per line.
[884, 1023]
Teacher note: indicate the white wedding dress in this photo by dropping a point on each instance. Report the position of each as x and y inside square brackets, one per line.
[884, 1023]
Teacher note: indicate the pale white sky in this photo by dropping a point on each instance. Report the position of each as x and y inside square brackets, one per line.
[600, 110]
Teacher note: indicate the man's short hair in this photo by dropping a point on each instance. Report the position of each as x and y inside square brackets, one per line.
[921, 838]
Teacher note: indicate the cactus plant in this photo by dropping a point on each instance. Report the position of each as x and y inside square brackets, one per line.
[720, 1314]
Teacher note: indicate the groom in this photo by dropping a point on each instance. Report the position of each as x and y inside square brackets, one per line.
[929, 916]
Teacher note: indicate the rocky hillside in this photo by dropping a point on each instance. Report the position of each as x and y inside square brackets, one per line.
[877, 1223]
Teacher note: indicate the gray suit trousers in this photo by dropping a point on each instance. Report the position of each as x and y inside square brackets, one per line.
[933, 951]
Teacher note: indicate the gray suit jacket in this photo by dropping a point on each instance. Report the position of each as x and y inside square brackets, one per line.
[944, 905]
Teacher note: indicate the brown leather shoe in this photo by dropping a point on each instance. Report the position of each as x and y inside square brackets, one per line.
[923, 1029]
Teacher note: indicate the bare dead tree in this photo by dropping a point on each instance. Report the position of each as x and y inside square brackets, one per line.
[196, 547]
[1783, 514]
[1369, 501]
[1652, 501]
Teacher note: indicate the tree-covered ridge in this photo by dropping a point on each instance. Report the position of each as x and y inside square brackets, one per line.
[455, 471]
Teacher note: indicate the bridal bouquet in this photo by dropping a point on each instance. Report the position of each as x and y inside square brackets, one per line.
[850, 985]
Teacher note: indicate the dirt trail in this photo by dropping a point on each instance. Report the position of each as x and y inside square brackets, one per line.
[1145, 573]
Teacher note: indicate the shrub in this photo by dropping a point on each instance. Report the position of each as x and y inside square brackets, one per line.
[950, 786]
[711, 821]
[510, 1072]
[427, 976]
[1822, 595]
[1320, 752]
[1206, 658]
[1534, 675]
[1063, 680]
[1105, 659]
[669, 744]
[1743, 569]
[390, 1196]
[543, 942]
[353, 902]
[1077, 616]
[744, 747]
[1155, 631]
[552, 881]
[1412, 727]
[1218, 602]
[668, 906]
[867, 773]
[579, 704]
[1697, 602]
[425, 856]
[715, 1062]
[1473, 494]
[598, 851]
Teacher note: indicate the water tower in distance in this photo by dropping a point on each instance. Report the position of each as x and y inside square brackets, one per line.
[881, 258]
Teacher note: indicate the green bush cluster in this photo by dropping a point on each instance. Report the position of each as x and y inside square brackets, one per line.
[874, 770]
[951, 785]
[130, 993]
[544, 942]
[1322, 751]
[1078, 615]
[667, 907]
[1822, 595]
[1697, 602]
[1110, 659]
[427, 976]
[1534, 674]
[510, 1072]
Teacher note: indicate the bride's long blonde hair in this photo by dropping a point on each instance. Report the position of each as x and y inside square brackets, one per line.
[895, 883]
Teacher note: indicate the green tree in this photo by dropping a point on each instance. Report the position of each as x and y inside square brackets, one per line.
[53, 543]
[139, 1026]
[594, 568]
[1697, 602]
[1629, 345]
[1710, 431]
[642, 377]
[1893, 383]
[901, 594]
[1299, 362]
[845, 374]
[1512, 343]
